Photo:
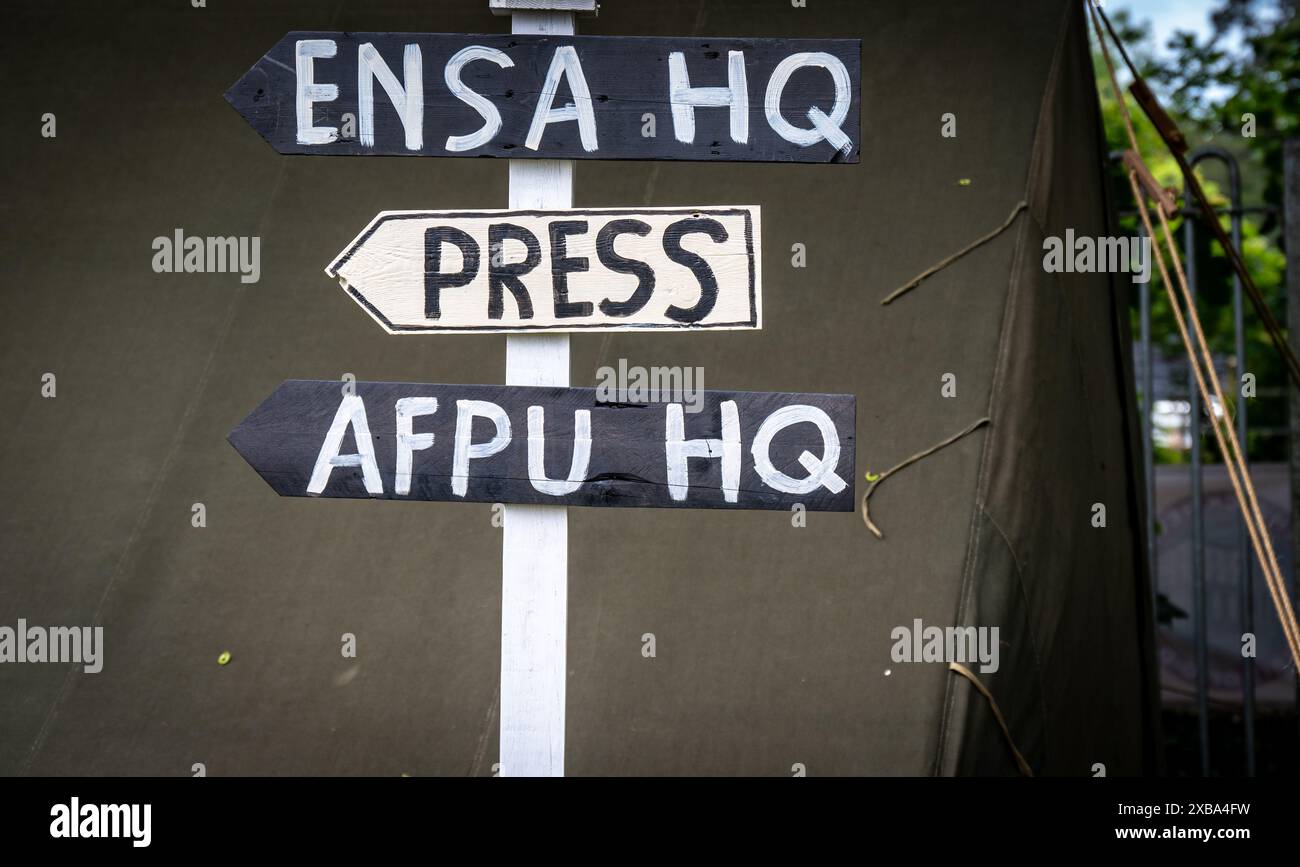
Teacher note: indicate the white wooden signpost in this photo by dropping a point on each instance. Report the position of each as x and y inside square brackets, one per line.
[535, 547]
[541, 98]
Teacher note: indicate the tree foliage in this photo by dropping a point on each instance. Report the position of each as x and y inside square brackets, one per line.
[1249, 64]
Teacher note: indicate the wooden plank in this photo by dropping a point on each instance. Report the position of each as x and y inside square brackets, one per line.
[557, 96]
[594, 269]
[554, 446]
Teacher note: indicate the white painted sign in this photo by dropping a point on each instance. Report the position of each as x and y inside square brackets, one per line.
[580, 269]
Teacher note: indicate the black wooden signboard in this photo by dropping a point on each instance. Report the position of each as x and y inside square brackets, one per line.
[557, 97]
[559, 446]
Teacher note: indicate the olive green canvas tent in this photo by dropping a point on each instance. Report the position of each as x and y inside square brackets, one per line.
[774, 634]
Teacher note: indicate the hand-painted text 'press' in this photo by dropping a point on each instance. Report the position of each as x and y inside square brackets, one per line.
[483, 443]
[563, 270]
[557, 97]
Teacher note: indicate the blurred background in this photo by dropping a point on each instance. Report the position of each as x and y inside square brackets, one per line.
[1228, 71]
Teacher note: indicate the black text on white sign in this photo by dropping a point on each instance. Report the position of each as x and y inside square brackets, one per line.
[558, 270]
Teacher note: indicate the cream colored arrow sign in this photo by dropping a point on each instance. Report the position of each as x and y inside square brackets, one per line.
[579, 269]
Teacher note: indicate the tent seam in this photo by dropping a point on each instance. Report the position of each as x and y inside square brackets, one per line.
[999, 372]
[1121, 328]
[1029, 629]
